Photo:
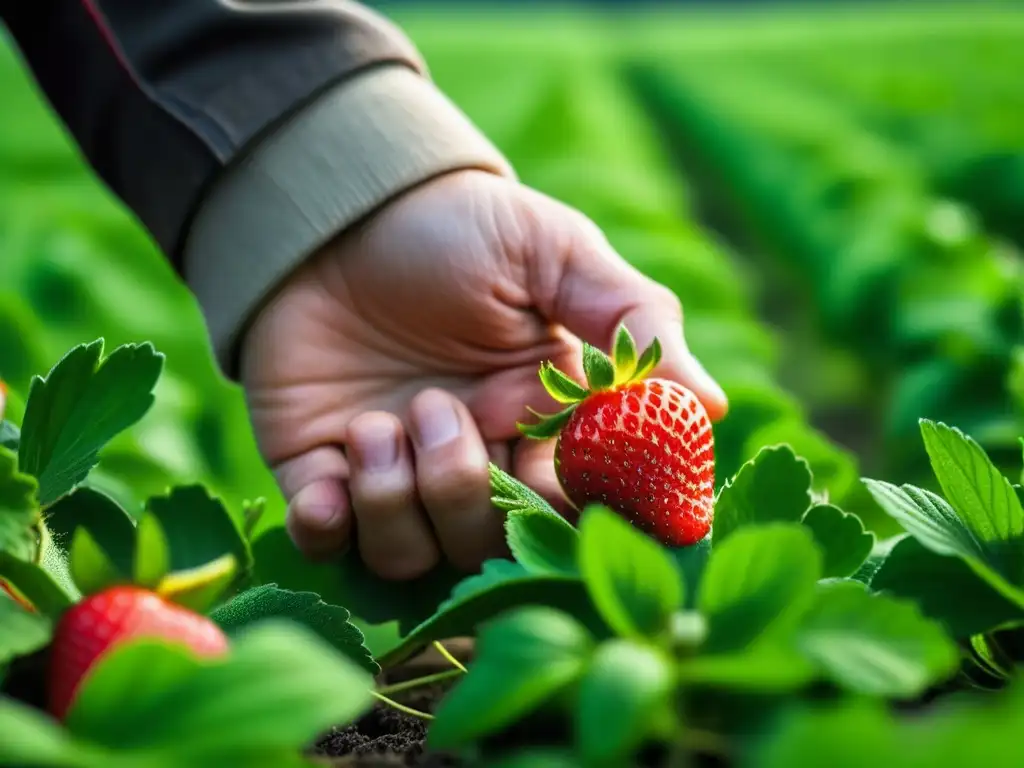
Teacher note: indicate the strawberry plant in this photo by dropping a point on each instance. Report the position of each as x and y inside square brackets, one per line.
[138, 631]
[147, 637]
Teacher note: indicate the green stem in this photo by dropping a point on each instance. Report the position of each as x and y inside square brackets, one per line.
[401, 707]
[448, 656]
[418, 682]
[39, 527]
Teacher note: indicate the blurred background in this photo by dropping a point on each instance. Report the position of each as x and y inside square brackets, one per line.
[836, 192]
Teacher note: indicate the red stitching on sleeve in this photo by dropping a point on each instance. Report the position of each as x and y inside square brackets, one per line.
[108, 37]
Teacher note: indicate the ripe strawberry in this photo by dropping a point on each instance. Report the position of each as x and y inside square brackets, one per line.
[643, 447]
[101, 622]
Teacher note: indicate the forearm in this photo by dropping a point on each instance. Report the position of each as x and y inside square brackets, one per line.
[243, 136]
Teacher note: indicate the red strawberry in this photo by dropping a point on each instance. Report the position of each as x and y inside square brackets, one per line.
[643, 447]
[103, 621]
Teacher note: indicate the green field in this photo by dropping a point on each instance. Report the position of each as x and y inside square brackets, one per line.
[835, 193]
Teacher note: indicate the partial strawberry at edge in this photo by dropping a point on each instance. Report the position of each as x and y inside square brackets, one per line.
[642, 447]
[101, 622]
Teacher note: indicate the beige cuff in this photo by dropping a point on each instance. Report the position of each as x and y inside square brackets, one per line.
[359, 145]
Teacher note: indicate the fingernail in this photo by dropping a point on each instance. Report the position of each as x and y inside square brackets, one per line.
[313, 509]
[437, 425]
[321, 515]
[377, 451]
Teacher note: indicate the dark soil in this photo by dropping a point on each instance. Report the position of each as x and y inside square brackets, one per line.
[387, 738]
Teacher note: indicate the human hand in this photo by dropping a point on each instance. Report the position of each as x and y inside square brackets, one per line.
[394, 364]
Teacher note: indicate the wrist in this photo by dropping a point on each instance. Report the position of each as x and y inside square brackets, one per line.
[357, 148]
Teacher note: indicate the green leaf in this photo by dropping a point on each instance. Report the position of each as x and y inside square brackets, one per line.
[280, 687]
[927, 517]
[767, 668]
[859, 732]
[774, 486]
[539, 537]
[598, 367]
[936, 525]
[548, 426]
[559, 386]
[35, 583]
[511, 495]
[624, 355]
[632, 580]
[330, 622]
[759, 579]
[691, 562]
[252, 513]
[21, 631]
[842, 538]
[874, 644]
[624, 697]
[198, 529]
[542, 543]
[91, 569]
[648, 360]
[79, 407]
[18, 509]
[991, 658]
[33, 739]
[500, 586]
[202, 587]
[537, 757]
[945, 588]
[152, 552]
[982, 497]
[347, 581]
[879, 552]
[110, 526]
[522, 660]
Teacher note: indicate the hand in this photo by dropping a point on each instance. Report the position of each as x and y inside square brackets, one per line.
[394, 364]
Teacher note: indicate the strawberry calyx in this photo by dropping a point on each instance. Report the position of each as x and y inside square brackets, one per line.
[197, 588]
[603, 373]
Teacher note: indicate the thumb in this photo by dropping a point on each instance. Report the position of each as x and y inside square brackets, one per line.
[593, 290]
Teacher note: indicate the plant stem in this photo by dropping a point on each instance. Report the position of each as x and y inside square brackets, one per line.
[405, 685]
[448, 656]
[40, 532]
[401, 707]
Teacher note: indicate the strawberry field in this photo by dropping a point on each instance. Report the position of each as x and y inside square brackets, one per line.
[836, 196]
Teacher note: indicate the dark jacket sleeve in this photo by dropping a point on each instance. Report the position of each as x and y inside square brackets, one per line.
[162, 96]
[244, 135]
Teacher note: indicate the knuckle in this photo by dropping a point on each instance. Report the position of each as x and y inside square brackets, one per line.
[384, 495]
[664, 298]
[457, 486]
